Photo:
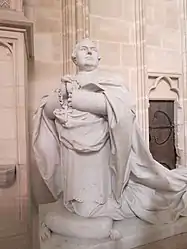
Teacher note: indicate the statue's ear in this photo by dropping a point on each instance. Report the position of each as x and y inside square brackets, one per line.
[99, 58]
[74, 60]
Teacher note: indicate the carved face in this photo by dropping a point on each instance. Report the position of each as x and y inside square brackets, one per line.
[86, 55]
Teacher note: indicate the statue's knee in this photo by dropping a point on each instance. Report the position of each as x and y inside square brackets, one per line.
[84, 209]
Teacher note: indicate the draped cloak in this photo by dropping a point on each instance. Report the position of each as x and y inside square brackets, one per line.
[137, 175]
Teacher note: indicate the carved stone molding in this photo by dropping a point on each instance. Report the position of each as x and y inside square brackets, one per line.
[12, 4]
[8, 46]
[6, 4]
[16, 47]
[14, 181]
[156, 79]
[12, 19]
[19, 24]
[75, 26]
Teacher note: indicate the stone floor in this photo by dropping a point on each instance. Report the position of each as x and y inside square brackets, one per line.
[175, 242]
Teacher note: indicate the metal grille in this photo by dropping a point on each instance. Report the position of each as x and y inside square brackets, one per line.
[169, 127]
[5, 4]
[162, 132]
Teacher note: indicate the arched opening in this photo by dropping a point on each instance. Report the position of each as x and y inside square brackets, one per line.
[165, 122]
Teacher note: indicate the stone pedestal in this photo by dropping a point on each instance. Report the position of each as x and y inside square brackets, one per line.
[135, 233]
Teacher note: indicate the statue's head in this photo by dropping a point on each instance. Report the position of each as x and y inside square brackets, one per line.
[85, 55]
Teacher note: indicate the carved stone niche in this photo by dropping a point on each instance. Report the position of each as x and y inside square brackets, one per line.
[16, 50]
[169, 87]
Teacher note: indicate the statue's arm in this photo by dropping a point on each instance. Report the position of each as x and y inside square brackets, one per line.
[51, 105]
[89, 102]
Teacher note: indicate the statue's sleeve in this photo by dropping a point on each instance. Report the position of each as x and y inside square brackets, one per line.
[121, 118]
[51, 104]
[47, 150]
[89, 102]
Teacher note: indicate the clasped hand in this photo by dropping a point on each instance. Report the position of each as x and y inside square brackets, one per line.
[66, 86]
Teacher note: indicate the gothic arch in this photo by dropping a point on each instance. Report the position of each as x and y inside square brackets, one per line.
[166, 87]
[167, 80]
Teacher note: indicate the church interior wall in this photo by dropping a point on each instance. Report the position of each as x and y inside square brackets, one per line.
[135, 39]
[143, 40]
[153, 46]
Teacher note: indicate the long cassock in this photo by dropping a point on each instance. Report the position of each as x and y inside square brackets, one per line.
[94, 158]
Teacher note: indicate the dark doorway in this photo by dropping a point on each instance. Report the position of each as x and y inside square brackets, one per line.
[162, 132]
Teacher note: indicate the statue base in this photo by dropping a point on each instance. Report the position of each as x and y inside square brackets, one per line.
[134, 233]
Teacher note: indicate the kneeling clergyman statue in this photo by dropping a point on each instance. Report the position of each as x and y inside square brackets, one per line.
[93, 159]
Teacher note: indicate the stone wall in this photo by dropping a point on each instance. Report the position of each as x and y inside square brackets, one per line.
[57, 26]
[142, 40]
[145, 41]
[47, 68]
[163, 36]
[112, 25]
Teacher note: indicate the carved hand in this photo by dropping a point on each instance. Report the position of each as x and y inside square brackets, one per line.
[66, 86]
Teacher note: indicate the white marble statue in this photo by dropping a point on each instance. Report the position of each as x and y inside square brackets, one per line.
[93, 159]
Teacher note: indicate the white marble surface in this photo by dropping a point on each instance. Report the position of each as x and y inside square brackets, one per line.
[135, 233]
[100, 169]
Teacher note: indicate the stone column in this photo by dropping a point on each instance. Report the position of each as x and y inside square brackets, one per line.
[142, 100]
[75, 26]
[183, 27]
